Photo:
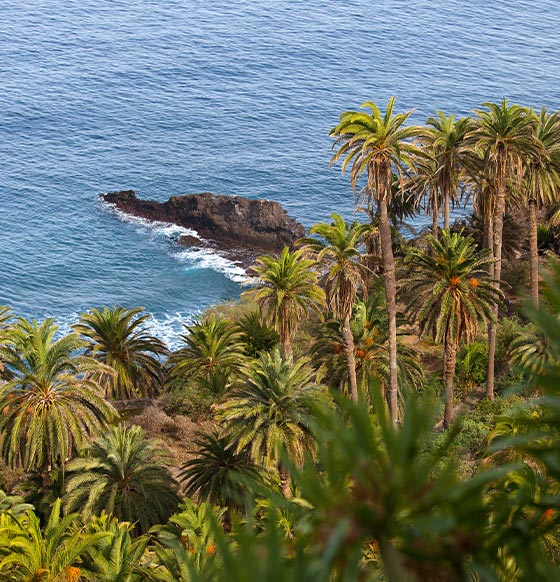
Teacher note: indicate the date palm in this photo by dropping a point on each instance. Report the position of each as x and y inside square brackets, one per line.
[51, 404]
[118, 337]
[124, 474]
[272, 411]
[256, 335]
[338, 252]
[218, 473]
[379, 145]
[503, 135]
[452, 296]
[541, 184]
[444, 142]
[212, 356]
[286, 291]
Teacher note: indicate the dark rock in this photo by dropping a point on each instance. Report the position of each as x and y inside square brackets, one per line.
[233, 222]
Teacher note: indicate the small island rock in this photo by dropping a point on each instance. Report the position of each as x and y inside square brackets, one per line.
[231, 222]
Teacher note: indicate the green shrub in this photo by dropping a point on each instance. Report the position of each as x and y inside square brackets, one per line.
[188, 401]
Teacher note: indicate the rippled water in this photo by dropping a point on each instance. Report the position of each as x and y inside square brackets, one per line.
[180, 96]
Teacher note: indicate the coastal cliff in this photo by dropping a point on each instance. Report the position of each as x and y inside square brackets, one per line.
[229, 222]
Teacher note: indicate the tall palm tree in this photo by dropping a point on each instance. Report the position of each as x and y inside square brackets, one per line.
[218, 474]
[444, 142]
[286, 290]
[50, 554]
[338, 251]
[504, 137]
[118, 337]
[51, 404]
[124, 474]
[273, 411]
[452, 296]
[379, 145]
[212, 356]
[541, 185]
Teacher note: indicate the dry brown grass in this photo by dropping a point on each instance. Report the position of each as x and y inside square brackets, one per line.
[175, 433]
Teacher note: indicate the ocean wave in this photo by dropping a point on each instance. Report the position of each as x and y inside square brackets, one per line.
[204, 258]
[167, 229]
[167, 327]
[193, 257]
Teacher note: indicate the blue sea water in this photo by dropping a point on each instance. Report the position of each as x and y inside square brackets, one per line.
[171, 97]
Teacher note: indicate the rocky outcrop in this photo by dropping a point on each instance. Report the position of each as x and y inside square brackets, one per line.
[231, 222]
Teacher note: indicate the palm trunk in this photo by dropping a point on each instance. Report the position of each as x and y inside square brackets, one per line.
[435, 216]
[348, 340]
[391, 304]
[284, 334]
[449, 361]
[446, 203]
[287, 347]
[500, 210]
[488, 243]
[285, 482]
[533, 252]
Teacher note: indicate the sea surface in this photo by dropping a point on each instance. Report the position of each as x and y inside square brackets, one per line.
[171, 97]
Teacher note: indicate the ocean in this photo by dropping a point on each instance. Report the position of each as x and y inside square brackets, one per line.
[170, 97]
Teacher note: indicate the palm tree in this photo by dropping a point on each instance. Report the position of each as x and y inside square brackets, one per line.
[370, 334]
[444, 142]
[219, 473]
[52, 554]
[541, 184]
[273, 411]
[378, 145]
[51, 404]
[256, 335]
[503, 135]
[213, 355]
[452, 296]
[116, 556]
[117, 337]
[124, 474]
[286, 290]
[346, 275]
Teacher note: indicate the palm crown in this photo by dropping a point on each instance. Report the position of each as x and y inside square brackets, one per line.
[52, 402]
[117, 337]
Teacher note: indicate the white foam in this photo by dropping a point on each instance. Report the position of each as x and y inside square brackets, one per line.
[167, 229]
[197, 258]
[193, 257]
[168, 327]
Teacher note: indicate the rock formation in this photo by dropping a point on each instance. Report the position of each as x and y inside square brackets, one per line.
[229, 222]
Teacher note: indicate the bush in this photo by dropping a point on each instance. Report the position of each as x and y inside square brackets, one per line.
[188, 401]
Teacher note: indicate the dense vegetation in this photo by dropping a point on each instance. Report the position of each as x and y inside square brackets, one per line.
[374, 408]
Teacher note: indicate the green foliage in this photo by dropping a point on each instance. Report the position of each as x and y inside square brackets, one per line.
[191, 401]
[211, 358]
[256, 336]
[51, 403]
[116, 555]
[219, 474]
[30, 553]
[125, 475]
[472, 363]
[453, 294]
[286, 291]
[273, 410]
[118, 337]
